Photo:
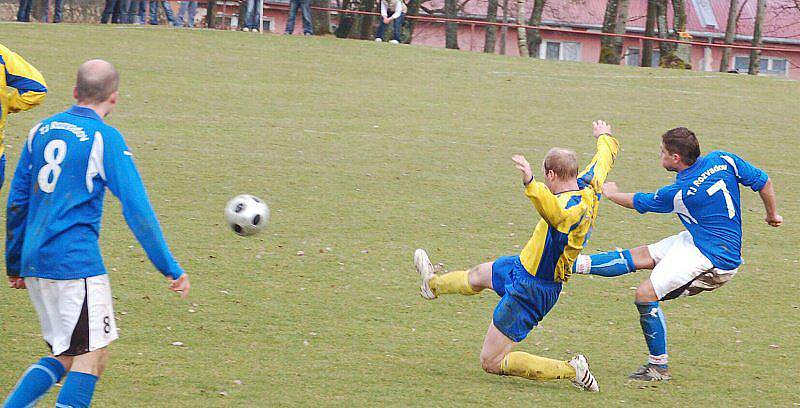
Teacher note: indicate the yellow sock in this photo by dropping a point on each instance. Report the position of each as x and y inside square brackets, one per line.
[453, 282]
[532, 367]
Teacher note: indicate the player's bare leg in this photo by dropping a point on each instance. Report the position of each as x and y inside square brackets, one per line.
[461, 282]
[84, 372]
[497, 358]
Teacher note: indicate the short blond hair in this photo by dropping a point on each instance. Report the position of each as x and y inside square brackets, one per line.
[563, 162]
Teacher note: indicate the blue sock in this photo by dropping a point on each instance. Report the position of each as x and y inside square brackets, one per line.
[612, 263]
[654, 327]
[37, 379]
[77, 390]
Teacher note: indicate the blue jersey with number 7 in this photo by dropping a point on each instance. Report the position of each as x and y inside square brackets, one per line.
[705, 197]
[56, 200]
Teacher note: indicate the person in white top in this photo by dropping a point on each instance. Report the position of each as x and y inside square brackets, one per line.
[398, 10]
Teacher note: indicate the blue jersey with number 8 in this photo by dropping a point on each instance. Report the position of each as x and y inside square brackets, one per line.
[56, 200]
[706, 198]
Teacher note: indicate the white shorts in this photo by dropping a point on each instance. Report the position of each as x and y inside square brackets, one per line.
[682, 270]
[77, 316]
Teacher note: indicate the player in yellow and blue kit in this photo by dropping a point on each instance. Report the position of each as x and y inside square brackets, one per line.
[21, 88]
[529, 284]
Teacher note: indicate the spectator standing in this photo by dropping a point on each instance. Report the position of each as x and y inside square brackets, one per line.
[167, 12]
[189, 9]
[305, 7]
[398, 10]
[109, 11]
[252, 16]
[24, 12]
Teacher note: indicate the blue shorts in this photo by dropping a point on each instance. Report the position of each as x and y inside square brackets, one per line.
[525, 301]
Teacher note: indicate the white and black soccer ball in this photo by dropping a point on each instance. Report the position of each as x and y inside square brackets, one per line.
[246, 214]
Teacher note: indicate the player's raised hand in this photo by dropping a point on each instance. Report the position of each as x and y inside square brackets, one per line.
[600, 127]
[610, 187]
[181, 285]
[524, 167]
[15, 282]
[774, 220]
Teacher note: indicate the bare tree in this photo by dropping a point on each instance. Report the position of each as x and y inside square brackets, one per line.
[534, 37]
[504, 30]
[451, 29]
[649, 31]
[408, 25]
[755, 55]
[521, 34]
[730, 34]
[614, 21]
[491, 30]
[321, 20]
[609, 26]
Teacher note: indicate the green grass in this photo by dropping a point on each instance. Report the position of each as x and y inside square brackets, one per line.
[310, 125]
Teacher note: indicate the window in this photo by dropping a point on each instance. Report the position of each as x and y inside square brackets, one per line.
[570, 51]
[741, 64]
[767, 65]
[656, 59]
[560, 51]
[553, 50]
[632, 57]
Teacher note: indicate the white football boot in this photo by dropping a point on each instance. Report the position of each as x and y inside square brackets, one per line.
[583, 377]
[425, 269]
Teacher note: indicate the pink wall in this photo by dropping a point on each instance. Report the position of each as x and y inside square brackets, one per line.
[471, 38]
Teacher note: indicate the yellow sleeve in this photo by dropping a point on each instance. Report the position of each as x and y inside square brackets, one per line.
[546, 203]
[596, 172]
[25, 86]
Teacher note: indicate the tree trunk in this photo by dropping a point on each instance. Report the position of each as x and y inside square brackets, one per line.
[364, 21]
[408, 24]
[504, 30]
[621, 27]
[321, 20]
[522, 38]
[755, 55]
[451, 29]
[663, 29]
[649, 31]
[609, 26]
[730, 34]
[491, 30]
[210, 13]
[534, 37]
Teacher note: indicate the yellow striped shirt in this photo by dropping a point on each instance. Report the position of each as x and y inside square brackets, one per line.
[567, 218]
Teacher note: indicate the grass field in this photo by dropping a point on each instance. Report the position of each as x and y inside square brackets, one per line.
[311, 125]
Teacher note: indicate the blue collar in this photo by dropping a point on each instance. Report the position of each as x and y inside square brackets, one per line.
[689, 171]
[84, 112]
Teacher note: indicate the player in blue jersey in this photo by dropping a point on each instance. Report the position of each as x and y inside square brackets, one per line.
[705, 197]
[54, 211]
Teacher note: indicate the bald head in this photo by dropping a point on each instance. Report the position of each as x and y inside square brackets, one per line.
[563, 162]
[97, 81]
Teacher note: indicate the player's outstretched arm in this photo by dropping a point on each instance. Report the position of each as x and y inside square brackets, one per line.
[124, 181]
[542, 198]
[17, 214]
[611, 191]
[595, 173]
[767, 194]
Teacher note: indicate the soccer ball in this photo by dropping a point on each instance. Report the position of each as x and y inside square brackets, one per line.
[246, 214]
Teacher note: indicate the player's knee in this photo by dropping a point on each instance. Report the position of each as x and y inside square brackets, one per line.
[646, 293]
[480, 277]
[102, 360]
